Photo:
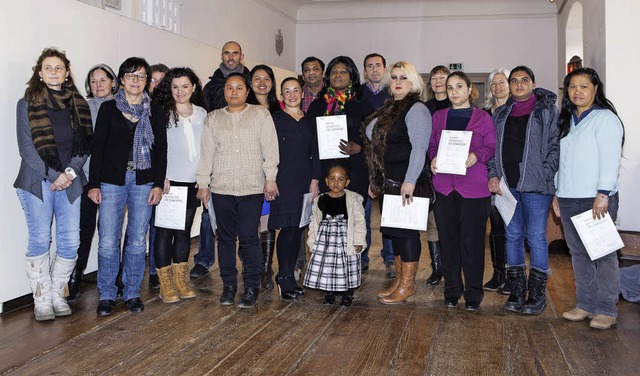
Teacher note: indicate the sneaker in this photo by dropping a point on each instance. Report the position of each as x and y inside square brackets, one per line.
[198, 271]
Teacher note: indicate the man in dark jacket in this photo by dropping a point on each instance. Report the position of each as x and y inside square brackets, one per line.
[232, 58]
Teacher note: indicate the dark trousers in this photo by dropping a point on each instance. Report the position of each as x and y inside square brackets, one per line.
[287, 247]
[173, 245]
[238, 218]
[462, 224]
[408, 249]
[88, 219]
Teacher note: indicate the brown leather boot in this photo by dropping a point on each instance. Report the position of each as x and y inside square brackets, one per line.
[180, 272]
[168, 292]
[396, 281]
[407, 287]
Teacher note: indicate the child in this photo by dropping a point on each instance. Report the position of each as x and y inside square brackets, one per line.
[336, 238]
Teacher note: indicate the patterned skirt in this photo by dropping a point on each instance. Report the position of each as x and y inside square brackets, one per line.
[330, 267]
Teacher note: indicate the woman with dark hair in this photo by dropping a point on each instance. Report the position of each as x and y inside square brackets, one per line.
[54, 138]
[262, 92]
[399, 135]
[180, 95]
[101, 85]
[298, 173]
[437, 89]
[527, 154]
[127, 169]
[591, 138]
[463, 201]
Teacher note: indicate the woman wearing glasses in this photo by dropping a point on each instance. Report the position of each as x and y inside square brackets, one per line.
[127, 169]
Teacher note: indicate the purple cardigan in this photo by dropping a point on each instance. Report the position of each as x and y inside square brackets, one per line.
[483, 144]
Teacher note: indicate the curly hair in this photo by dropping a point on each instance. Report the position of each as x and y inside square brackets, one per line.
[163, 96]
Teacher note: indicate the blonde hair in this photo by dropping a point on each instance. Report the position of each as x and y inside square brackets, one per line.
[488, 102]
[418, 85]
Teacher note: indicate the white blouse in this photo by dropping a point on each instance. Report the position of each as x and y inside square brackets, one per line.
[183, 146]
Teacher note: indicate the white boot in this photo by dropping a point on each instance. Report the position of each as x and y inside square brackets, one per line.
[40, 282]
[60, 273]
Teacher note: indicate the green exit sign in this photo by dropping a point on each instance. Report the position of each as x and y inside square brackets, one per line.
[455, 66]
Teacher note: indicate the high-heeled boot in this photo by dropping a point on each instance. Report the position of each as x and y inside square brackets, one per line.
[180, 272]
[268, 239]
[75, 281]
[40, 282]
[396, 281]
[498, 259]
[168, 293]
[407, 287]
[436, 263]
[60, 273]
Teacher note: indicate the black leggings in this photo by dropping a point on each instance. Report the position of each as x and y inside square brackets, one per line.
[408, 249]
[173, 245]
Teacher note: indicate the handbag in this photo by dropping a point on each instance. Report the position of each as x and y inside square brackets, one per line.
[424, 187]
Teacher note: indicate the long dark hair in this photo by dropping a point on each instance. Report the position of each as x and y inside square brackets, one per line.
[36, 88]
[568, 108]
[354, 75]
[272, 98]
[162, 93]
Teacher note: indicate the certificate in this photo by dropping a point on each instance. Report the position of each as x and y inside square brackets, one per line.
[453, 152]
[307, 206]
[599, 236]
[331, 129]
[505, 203]
[412, 217]
[171, 212]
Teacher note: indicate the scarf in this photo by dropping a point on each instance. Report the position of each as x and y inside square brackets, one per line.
[143, 136]
[336, 100]
[226, 71]
[42, 129]
[375, 149]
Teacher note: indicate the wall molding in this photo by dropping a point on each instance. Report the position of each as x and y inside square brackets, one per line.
[427, 18]
[276, 10]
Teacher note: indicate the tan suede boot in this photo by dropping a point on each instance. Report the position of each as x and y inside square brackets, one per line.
[407, 287]
[168, 292]
[180, 272]
[396, 281]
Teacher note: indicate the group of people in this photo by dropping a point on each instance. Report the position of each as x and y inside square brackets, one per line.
[250, 157]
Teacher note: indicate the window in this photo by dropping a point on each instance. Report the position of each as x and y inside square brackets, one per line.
[164, 14]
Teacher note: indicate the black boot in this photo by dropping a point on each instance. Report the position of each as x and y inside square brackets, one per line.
[498, 259]
[249, 297]
[329, 297]
[347, 298]
[517, 279]
[75, 280]
[436, 263]
[268, 239]
[537, 300]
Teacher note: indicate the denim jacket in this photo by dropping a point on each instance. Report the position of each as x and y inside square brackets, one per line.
[541, 155]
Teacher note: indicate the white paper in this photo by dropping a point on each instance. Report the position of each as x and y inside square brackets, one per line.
[453, 152]
[505, 203]
[599, 236]
[412, 217]
[171, 212]
[212, 215]
[331, 129]
[307, 207]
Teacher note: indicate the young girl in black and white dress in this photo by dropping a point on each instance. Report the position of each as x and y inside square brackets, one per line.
[337, 236]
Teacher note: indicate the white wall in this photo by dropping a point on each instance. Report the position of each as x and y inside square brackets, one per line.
[89, 36]
[483, 35]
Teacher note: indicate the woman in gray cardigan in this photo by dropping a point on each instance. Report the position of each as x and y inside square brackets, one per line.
[54, 138]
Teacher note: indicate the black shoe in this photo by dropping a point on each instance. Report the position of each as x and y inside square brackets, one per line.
[249, 297]
[289, 295]
[365, 267]
[471, 307]
[450, 302]
[228, 295]
[347, 299]
[496, 282]
[105, 307]
[329, 298]
[299, 291]
[135, 305]
[154, 282]
[198, 271]
[75, 280]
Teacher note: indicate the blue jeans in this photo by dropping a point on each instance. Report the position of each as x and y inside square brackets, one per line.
[529, 221]
[111, 213]
[206, 255]
[39, 215]
[596, 281]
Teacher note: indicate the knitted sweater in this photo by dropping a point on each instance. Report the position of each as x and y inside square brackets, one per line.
[238, 151]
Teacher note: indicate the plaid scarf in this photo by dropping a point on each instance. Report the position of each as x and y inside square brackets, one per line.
[336, 100]
[143, 136]
[42, 129]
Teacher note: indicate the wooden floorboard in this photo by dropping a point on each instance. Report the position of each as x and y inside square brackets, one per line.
[276, 337]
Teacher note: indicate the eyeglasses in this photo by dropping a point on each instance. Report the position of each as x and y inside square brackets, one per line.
[139, 76]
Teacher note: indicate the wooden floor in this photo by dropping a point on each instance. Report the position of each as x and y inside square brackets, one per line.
[199, 337]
